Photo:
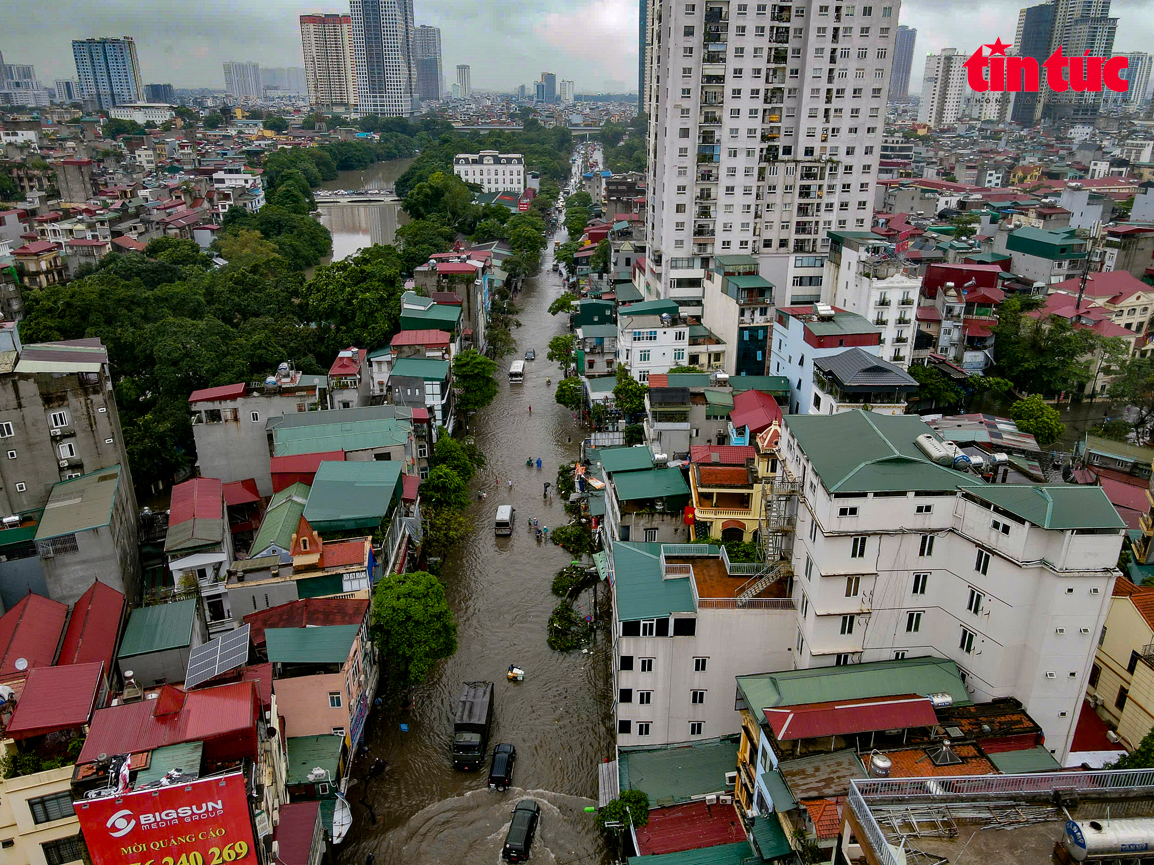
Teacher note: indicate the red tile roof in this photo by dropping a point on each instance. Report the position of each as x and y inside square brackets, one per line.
[348, 365]
[262, 675]
[57, 698]
[304, 463]
[825, 816]
[658, 379]
[227, 712]
[305, 613]
[727, 476]
[928, 313]
[223, 392]
[421, 337]
[241, 493]
[692, 826]
[755, 410]
[127, 242]
[336, 554]
[729, 455]
[447, 298]
[843, 718]
[94, 626]
[411, 484]
[294, 833]
[79, 241]
[38, 248]
[196, 499]
[1116, 285]
[30, 630]
[452, 267]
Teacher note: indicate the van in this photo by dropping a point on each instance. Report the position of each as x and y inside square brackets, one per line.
[501, 770]
[503, 524]
[522, 828]
[517, 372]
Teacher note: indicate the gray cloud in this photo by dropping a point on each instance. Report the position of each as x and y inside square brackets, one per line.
[593, 42]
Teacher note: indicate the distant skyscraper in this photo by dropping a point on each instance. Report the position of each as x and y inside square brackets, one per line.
[108, 71]
[549, 80]
[162, 93]
[539, 91]
[243, 81]
[521, 92]
[427, 58]
[567, 91]
[943, 88]
[1080, 27]
[383, 56]
[1137, 75]
[1032, 39]
[330, 77]
[464, 79]
[284, 79]
[68, 90]
[903, 63]
[642, 53]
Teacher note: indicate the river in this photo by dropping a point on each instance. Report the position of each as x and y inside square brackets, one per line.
[499, 589]
[356, 226]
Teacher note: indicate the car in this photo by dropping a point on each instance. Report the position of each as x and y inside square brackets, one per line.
[501, 769]
[519, 838]
[530, 354]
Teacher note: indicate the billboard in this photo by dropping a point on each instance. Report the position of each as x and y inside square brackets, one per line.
[205, 822]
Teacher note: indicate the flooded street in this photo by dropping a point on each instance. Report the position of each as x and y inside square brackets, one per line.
[558, 718]
[357, 226]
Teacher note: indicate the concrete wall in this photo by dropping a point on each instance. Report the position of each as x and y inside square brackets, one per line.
[304, 704]
[236, 450]
[18, 577]
[16, 821]
[156, 668]
[247, 597]
[110, 551]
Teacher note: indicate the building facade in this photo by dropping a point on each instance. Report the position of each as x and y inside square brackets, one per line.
[1137, 74]
[242, 80]
[492, 171]
[1080, 26]
[383, 56]
[549, 87]
[1032, 39]
[162, 93]
[427, 57]
[108, 71]
[330, 76]
[903, 63]
[943, 88]
[464, 81]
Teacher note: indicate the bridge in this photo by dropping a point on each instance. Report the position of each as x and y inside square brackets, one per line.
[362, 197]
[576, 130]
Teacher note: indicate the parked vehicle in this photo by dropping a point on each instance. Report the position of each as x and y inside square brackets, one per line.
[471, 729]
[501, 769]
[503, 524]
[519, 838]
[530, 354]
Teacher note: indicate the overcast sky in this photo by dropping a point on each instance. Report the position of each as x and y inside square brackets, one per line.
[593, 42]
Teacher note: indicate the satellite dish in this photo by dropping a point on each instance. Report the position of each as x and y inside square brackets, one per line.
[21, 663]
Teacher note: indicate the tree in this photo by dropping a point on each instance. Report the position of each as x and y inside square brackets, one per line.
[628, 393]
[634, 434]
[474, 376]
[561, 350]
[413, 626]
[631, 807]
[444, 488]
[500, 342]
[177, 250]
[1041, 421]
[421, 239]
[1115, 429]
[449, 453]
[275, 123]
[579, 199]
[115, 128]
[245, 246]
[564, 303]
[565, 254]
[1039, 353]
[1141, 757]
[357, 299]
[213, 120]
[570, 393]
[444, 529]
[934, 389]
[600, 261]
[576, 218]
[1134, 389]
[684, 368]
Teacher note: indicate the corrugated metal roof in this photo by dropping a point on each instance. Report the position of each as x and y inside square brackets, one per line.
[769, 837]
[307, 612]
[653, 484]
[623, 459]
[281, 519]
[79, 504]
[94, 626]
[1120, 450]
[216, 394]
[847, 717]
[1054, 506]
[778, 791]
[294, 833]
[56, 698]
[771, 384]
[65, 355]
[722, 854]
[306, 753]
[353, 494]
[186, 756]
[30, 630]
[328, 644]
[340, 436]
[240, 493]
[158, 628]
[427, 368]
[1037, 759]
[196, 516]
[678, 773]
[755, 409]
[639, 590]
[858, 368]
[727, 455]
[303, 463]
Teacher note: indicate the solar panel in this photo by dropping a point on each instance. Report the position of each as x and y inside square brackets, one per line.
[218, 655]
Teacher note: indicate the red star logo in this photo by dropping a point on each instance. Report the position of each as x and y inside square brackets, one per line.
[998, 47]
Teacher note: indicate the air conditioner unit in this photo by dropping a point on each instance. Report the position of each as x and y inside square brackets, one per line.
[64, 464]
[711, 799]
[725, 800]
[56, 433]
[730, 779]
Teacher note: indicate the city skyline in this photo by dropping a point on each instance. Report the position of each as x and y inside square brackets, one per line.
[190, 46]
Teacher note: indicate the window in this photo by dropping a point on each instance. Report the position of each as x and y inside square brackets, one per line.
[1120, 700]
[67, 450]
[70, 849]
[700, 664]
[649, 627]
[999, 526]
[45, 809]
[646, 665]
[900, 655]
[920, 581]
[804, 607]
[642, 728]
[625, 695]
[852, 586]
[808, 566]
[626, 662]
[334, 700]
[966, 644]
[913, 621]
[859, 548]
[812, 526]
[254, 416]
[924, 509]
[847, 512]
[59, 419]
[688, 31]
[1095, 672]
[644, 698]
[624, 727]
[695, 728]
[21, 487]
[982, 562]
[650, 534]
[927, 546]
[1132, 665]
[974, 604]
[847, 625]
[841, 660]
[6, 430]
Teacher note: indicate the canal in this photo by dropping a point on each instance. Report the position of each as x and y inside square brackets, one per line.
[356, 226]
[499, 588]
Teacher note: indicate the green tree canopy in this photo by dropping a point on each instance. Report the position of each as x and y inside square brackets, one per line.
[213, 120]
[444, 488]
[570, 393]
[449, 453]
[631, 807]
[934, 388]
[1134, 388]
[579, 199]
[1041, 421]
[576, 218]
[474, 375]
[564, 303]
[413, 626]
[600, 261]
[628, 393]
[275, 123]
[561, 350]
[421, 239]
[1141, 757]
[1045, 354]
[115, 128]
[356, 301]
[444, 529]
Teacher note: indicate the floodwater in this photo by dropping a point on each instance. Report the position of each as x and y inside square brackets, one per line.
[357, 226]
[558, 717]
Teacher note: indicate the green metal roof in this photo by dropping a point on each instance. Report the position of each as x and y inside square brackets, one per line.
[158, 628]
[341, 436]
[988, 257]
[778, 791]
[750, 281]
[601, 384]
[79, 504]
[640, 591]
[1036, 759]
[677, 773]
[352, 495]
[627, 292]
[1054, 506]
[624, 459]
[769, 837]
[719, 397]
[306, 753]
[595, 331]
[722, 854]
[854, 682]
[842, 323]
[438, 316]
[184, 756]
[688, 379]
[428, 368]
[652, 484]
[327, 644]
[735, 260]
[650, 307]
[1118, 450]
[771, 384]
[281, 519]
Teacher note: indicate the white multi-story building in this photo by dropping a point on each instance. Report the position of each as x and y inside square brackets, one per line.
[464, 81]
[108, 71]
[142, 112]
[243, 80]
[566, 91]
[898, 556]
[327, 42]
[383, 57]
[862, 277]
[766, 123]
[1137, 75]
[653, 337]
[493, 171]
[67, 90]
[943, 88]
[236, 187]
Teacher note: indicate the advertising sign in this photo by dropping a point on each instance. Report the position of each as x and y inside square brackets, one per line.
[205, 822]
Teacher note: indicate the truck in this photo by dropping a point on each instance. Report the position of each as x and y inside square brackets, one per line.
[471, 727]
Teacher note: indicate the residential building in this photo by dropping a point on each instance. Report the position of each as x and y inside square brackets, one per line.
[960, 316]
[1087, 210]
[415, 382]
[330, 75]
[1010, 581]
[361, 496]
[313, 569]
[158, 641]
[108, 71]
[1080, 26]
[234, 186]
[1043, 256]
[943, 89]
[464, 81]
[654, 337]
[802, 334]
[159, 93]
[68, 90]
[39, 264]
[1121, 680]
[566, 92]
[427, 59]
[644, 499]
[731, 154]
[382, 432]
[856, 379]
[1032, 39]
[383, 57]
[142, 112]
[199, 547]
[738, 307]
[864, 276]
[242, 80]
[349, 381]
[229, 422]
[491, 170]
[904, 43]
[644, 59]
[1137, 76]
[1129, 248]
[74, 177]
[37, 818]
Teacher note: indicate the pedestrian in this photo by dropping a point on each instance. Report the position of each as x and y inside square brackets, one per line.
[370, 859]
[546, 492]
[569, 439]
[496, 481]
[530, 409]
[510, 486]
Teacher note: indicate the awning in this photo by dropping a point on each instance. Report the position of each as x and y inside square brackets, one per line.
[815, 720]
[601, 561]
[978, 328]
[608, 783]
[928, 313]
[778, 791]
[733, 524]
[769, 838]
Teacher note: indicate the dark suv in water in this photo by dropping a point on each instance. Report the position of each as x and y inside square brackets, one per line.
[521, 830]
[501, 771]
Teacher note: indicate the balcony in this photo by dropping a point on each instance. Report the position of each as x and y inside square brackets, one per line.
[901, 340]
[718, 57]
[906, 301]
[710, 119]
[715, 15]
[881, 322]
[898, 357]
[883, 301]
[903, 319]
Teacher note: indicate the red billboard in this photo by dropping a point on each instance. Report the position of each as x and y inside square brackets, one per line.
[204, 822]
